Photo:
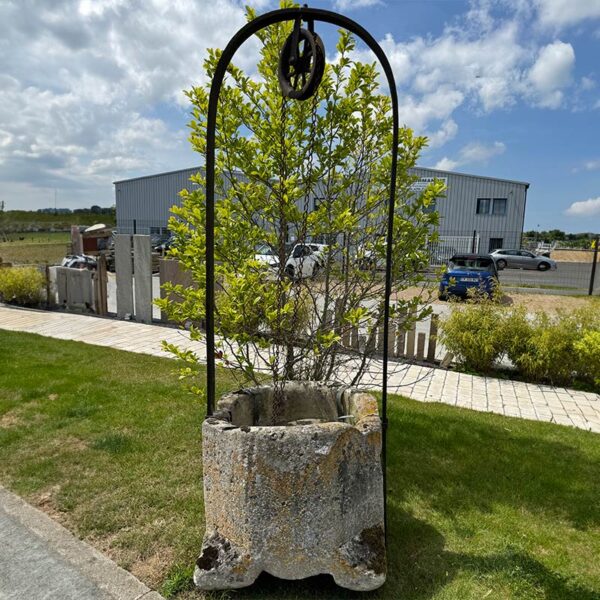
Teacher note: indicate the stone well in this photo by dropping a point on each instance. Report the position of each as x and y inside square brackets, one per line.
[295, 495]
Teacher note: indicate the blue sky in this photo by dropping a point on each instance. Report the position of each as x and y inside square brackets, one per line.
[90, 92]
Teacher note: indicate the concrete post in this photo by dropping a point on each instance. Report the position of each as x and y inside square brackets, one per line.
[124, 275]
[171, 271]
[142, 268]
[76, 240]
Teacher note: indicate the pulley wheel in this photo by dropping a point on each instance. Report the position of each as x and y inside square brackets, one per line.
[300, 76]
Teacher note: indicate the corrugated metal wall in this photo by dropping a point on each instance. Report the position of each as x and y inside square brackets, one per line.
[147, 201]
[458, 210]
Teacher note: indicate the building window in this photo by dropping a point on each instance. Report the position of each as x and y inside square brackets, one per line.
[496, 244]
[499, 206]
[154, 230]
[483, 206]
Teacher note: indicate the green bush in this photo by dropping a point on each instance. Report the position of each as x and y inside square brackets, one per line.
[21, 285]
[587, 350]
[476, 334]
[554, 349]
[546, 350]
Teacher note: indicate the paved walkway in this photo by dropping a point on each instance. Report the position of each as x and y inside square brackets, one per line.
[41, 560]
[426, 384]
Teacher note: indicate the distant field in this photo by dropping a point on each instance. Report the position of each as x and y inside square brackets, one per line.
[572, 255]
[22, 220]
[37, 237]
[35, 248]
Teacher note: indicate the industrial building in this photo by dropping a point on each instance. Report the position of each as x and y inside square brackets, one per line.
[477, 213]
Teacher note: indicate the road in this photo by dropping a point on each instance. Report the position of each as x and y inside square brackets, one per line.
[567, 275]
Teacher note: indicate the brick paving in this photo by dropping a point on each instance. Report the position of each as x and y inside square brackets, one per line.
[426, 384]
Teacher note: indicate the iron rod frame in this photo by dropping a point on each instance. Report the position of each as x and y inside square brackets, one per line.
[271, 18]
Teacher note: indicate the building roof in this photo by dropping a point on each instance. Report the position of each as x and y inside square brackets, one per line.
[525, 183]
[199, 168]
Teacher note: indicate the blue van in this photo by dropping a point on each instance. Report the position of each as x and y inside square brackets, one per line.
[469, 271]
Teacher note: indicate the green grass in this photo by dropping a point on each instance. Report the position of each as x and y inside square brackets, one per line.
[35, 248]
[480, 506]
[21, 220]
[36, 237]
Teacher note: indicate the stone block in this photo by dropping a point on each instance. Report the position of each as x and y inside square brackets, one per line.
[142, 269]
[293, 487]
[124, 275]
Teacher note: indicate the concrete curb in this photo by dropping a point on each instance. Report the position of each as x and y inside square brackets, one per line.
[64, 551]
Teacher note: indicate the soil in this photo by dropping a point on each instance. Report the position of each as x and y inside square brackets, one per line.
[533, 302]
[572, 256]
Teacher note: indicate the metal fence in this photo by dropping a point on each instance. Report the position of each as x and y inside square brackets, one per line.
[570, 271]
[575, 272]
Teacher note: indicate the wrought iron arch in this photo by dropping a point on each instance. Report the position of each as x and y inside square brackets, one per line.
[277, 16]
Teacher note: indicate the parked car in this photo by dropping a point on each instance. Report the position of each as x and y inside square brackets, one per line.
[469, 271]
[371, 255]
[164, 245]
[306, 260]
[266, 255]
[159, 239]
[522, 259]
[79, 261]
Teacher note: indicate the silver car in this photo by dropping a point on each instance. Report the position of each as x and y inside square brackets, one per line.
[522, 259]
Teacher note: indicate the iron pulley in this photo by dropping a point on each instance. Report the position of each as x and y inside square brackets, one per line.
[301, 63]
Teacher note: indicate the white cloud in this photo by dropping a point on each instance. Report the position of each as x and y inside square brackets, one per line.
[480, 62]
[587, 83]
[90, 91]
[472, 153]
[477, 152]
[552, 71]
[446, 164]
[588, 165]
[563, 13]
[445, 133]
[352, 4]
[584, 208]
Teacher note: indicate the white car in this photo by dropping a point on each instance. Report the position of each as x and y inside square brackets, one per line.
[306, 260]
[263, 253]
[79, 261]
[267, 257]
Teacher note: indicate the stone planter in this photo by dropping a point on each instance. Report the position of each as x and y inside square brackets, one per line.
[298, 497]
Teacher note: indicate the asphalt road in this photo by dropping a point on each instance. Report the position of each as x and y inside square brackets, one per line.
[567, 275]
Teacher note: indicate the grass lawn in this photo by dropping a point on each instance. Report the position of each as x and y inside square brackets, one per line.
[480, 506]
[37, 237]
[35, 248]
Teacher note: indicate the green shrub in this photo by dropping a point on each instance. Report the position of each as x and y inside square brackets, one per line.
[21, 285]
[546, 353]
[546, 349]
[587, 350]
[476, 334]
[554, 349]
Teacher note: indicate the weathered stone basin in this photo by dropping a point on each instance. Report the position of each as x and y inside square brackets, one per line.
[295, 494]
